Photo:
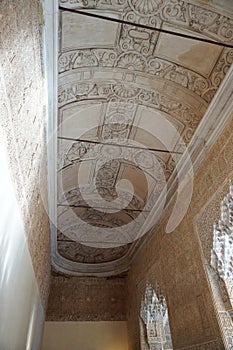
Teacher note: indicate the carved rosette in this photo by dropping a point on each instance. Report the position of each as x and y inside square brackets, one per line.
[131, 61]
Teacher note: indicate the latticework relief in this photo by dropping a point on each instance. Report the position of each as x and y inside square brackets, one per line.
[208, 216]
[215, 228]
[222, 263]
[217, 242]
[221, 253]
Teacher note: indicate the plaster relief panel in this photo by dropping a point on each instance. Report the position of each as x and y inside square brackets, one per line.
[198, 57]
[130, 101]
[84, 32]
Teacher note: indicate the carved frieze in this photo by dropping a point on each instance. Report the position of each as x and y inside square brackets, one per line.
[194, 17]
[88, 255]
[168, 104]
[155, 67]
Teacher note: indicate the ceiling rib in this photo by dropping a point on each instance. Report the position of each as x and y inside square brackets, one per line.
[87, 207]
[118, 145]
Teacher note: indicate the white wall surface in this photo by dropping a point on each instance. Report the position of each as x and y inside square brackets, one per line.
[21, 311]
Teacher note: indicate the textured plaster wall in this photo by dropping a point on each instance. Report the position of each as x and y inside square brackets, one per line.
[87, 299]
[85, 336]
[22, 314]
[175, 261]
[23, 123]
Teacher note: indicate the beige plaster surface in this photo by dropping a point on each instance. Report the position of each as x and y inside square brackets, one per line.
[176, 262]
[85, 336]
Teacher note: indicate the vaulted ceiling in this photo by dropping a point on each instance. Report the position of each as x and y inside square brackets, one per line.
[130, 100]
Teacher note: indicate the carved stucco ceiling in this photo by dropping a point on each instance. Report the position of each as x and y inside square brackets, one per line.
[118, 83]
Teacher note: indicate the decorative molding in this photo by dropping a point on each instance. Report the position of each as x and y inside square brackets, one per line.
[221, 253]
[222, 262]
[83, 254]
[209, 214]
[169, 104]
[50, 48]
[214, 120]
[156, 67]
[226, 324]
[217, 244]
[213, 23]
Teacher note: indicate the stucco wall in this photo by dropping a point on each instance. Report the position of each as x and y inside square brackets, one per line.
[85, 336]
[175, 261]
[23, 123]
[22, 313]
[24, 229]
[87, 299]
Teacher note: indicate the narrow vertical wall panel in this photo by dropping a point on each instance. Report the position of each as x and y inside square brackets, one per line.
[22, 314]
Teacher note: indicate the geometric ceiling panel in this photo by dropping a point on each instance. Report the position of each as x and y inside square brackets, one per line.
[73, 28]
[198, 57]
[130, 100]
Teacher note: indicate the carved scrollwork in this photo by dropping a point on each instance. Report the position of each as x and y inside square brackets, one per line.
[160, 68]
[193, 17]
[174, 10]
[144, 97]
[74, 198]
[86, 58]
[88, 255]
[82, 3]
[214, 24]
[77, 151]
[198, 19]
[77, 59]
[75, 91]
[95, 3]
[137, 40]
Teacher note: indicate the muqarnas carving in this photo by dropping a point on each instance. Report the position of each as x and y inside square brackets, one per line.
[154, 322]
[222, 264]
